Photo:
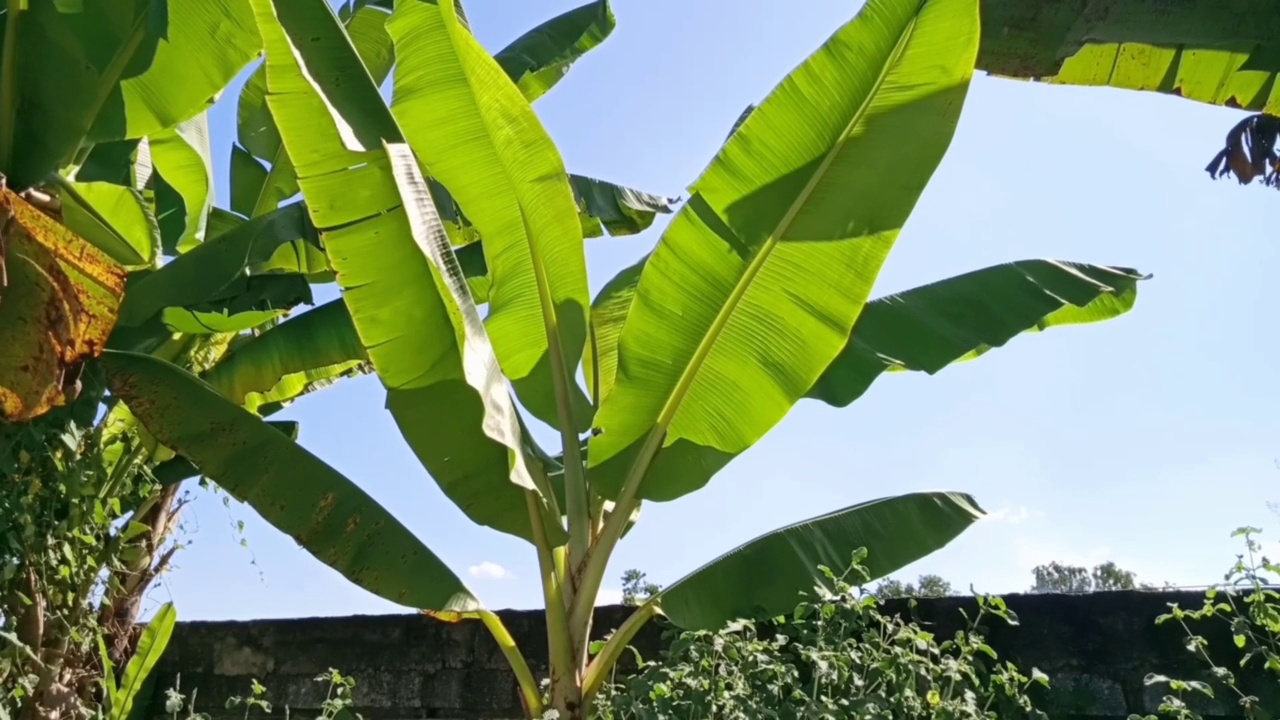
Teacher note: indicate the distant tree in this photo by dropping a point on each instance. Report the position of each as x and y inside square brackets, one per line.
[1058, 578]
[636, 588]
[926, 586]
[1109, 577]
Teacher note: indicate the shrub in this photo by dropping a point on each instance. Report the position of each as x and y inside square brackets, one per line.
[837, 655]
[1249, 604]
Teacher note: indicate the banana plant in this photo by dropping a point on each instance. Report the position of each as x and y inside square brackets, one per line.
[757, 296]
[109, 239]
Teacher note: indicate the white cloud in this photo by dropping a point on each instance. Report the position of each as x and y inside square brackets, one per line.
[489, 571]
[1013, 515]
[609, 596]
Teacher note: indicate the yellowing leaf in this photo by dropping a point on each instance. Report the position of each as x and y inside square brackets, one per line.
[59, 300]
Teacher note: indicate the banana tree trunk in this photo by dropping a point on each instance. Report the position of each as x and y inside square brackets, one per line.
[122, 608]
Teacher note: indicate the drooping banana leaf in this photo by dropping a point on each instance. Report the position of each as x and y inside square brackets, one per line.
[112, 70]
[482, 141]
[244, 304]
[764, 578]
[290, 359]
[402, 291]
[1213, 52]
[604, 207]
[540, 58]
[961, 318]
[755, 286]
[326, 513]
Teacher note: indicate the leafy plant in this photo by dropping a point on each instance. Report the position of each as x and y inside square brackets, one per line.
[755, 297]
[110, 239]
[835, 655]
[339, 699]
[1248, 603]
[84, 530]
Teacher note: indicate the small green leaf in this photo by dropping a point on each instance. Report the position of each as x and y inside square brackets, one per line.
[115, 219]
[540, 58]
[151, 646]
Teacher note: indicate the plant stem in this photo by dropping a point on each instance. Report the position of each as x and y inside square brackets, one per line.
[564, 671]
[607, 659]
[9, 82]
[575, 495]
[575, 481]
[597, 561]
[529, 692]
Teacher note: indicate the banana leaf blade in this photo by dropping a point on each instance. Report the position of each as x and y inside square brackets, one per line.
[325, 512]
[766, 576]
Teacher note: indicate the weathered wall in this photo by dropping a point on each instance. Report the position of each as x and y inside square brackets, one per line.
[1096, 649]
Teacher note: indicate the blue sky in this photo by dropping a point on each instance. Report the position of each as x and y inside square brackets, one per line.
[1145, 440]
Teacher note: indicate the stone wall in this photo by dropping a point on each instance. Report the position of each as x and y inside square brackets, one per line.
[1097, 649]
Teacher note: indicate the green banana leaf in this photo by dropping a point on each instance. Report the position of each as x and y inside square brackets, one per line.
[151, 647]
[114, 218]
[755, 286]
[194, 322]
[261, 189]
[608, 316]
[295, 357]
[473, 128]
[1212, 52]
[933, 326]
[402, 291]
[199, 275]
[249, 185]
[765, 577]
[540, 58]
[243, 304]
[924, 329]
[295, 491]
[604, 207]
[112, 70]
[178, 469]
[183, 163]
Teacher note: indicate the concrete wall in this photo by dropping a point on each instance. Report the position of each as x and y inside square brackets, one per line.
[1097, 649]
